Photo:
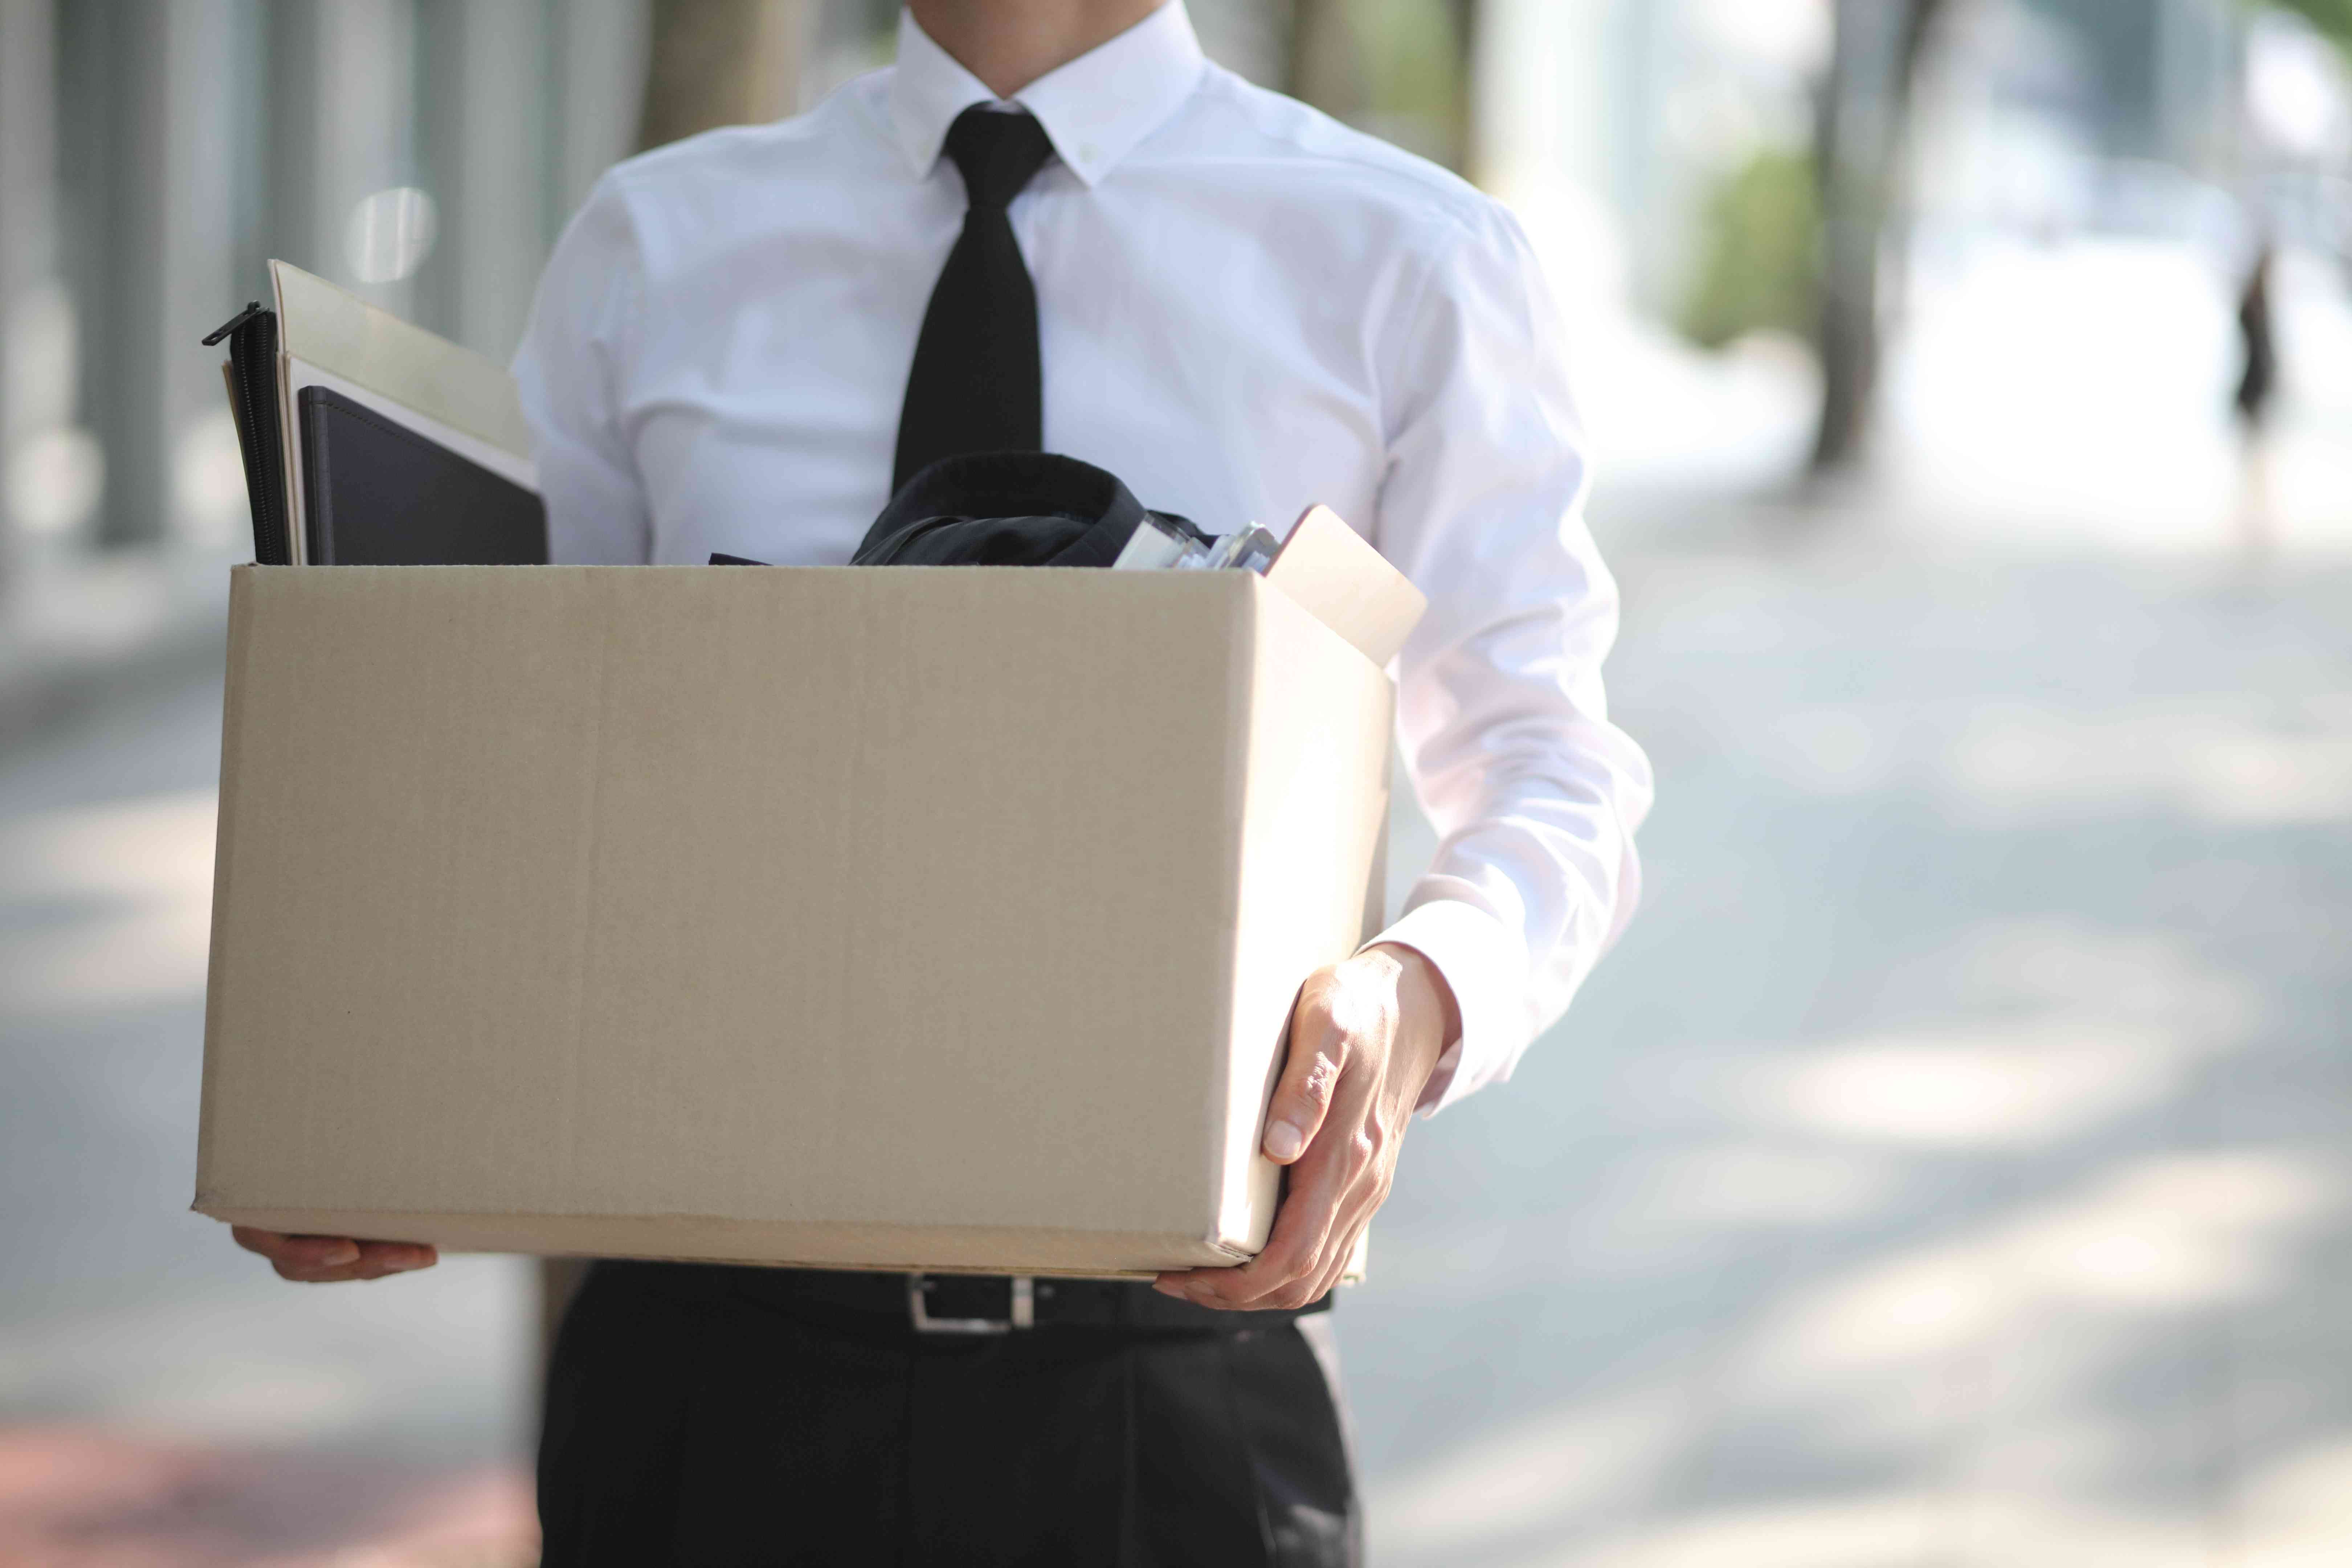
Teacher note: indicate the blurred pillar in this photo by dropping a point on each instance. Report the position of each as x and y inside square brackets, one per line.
[600, 82]
[1539, 112]
[1557, 137]
[1469, 18]
[519, 109]
[146, 128]
[2197, 62]
[198, 265]
[292, 205]
[112, 54]
[723, 62]
[30, 400]
[1322, 64]
[363, 116]
[483, 123]
[1863, 146]
[344, 96]
[1244, 36]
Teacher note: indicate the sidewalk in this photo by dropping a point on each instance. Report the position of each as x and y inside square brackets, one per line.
[1950, 1165]
[76, 631]
[97, 1500]
[164, 1401]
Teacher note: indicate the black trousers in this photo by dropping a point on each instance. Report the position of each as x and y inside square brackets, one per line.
[692, 1423]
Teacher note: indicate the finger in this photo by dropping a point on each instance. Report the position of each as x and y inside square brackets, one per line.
[1341, 1178]
[1363, 1191]
[1341, 1250]
[1334, 1263]
[303, 1251]
[1366, 1199]
[375, 1260]
[1311, 1071]
[1302, 1227]
[1290, 1251]
[1357, 1206]
[396, 1257]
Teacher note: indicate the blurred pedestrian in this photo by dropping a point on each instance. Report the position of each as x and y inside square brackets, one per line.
[2254, 400]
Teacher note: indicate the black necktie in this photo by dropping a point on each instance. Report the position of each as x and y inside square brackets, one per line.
[975, 385]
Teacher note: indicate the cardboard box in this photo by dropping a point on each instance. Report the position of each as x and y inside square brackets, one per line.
[883, 918]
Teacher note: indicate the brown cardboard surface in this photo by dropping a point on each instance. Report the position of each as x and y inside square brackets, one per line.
[910, 917]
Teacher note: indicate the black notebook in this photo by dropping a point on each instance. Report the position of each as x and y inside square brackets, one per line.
[252, 377]
[376, 493]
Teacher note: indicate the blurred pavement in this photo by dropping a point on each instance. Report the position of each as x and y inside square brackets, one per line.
[1950, 1166]
[1953, 1165]
[164, 1398]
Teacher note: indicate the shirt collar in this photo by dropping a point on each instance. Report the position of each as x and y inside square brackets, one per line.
[1094, 109]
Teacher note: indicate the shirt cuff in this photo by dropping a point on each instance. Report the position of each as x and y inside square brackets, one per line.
[1485, 969]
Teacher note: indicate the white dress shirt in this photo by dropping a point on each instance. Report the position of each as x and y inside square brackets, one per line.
[1244, 308]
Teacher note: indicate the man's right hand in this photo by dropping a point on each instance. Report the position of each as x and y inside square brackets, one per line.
[321, 1259]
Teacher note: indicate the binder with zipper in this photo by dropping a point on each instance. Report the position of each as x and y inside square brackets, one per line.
[252, 376]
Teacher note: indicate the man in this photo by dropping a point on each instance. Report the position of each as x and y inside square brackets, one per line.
[1054, 226]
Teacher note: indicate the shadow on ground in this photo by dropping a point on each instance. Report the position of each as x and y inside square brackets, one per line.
[1951, 1164]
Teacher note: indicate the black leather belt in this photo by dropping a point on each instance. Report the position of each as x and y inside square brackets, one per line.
[965, 1304]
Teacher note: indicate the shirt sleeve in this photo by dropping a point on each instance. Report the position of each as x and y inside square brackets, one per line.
[572, 374]
[1504, 725]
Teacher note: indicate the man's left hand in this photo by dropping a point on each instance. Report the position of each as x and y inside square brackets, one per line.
[1364, 1038]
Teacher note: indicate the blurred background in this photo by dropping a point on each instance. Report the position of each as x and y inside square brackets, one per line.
[1950, 1166]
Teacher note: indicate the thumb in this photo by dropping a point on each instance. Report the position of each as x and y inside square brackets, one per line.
[1310, 1074]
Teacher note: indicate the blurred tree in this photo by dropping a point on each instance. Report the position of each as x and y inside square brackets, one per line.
[1759, 261]
[1399, 69]
[2332, 17]
[722, 62]
[1322, 64]
[1861, 150]
[1469, 36]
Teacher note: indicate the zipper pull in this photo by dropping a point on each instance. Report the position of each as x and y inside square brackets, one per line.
[234, 322]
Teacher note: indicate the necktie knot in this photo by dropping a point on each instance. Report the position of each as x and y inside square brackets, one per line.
[998, 153]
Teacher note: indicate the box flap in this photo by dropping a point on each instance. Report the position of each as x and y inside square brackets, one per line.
[1314, 816]
[1328, 569]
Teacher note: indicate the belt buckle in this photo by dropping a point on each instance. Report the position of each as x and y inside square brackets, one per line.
[1023, 1315]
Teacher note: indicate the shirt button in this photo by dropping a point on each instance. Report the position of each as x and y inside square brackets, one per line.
[1088, 150]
